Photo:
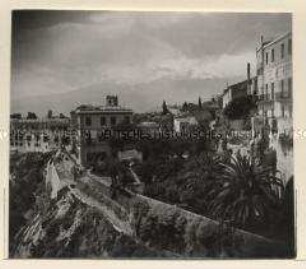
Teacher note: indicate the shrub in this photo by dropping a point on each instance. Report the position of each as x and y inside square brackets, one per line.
[240, 107]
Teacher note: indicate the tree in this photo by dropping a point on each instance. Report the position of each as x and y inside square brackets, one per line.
[49, 115]
[200, 102]
[185, 107]
[246, 193]
[165, 108]
[16, 116]
[239, 108]
[62, 116]
[65, 140]
[31, 115]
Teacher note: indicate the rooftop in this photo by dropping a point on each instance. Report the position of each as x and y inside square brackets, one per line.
[111, 106]
[97, 109]
[268, 43]
[40, 120]
[236, 85]
[148, 124]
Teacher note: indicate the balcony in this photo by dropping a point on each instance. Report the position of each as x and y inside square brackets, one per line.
[265, 98]
[283, 96]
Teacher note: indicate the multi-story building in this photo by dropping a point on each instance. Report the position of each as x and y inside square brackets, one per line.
[38, 135]
[274, 75]
[274, 79]
[93, 125]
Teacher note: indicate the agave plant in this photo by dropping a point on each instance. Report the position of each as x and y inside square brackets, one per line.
[245, 192]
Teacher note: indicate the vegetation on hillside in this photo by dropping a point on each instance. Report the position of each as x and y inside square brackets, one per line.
[26, 181]
[240, 108]
[241, 191]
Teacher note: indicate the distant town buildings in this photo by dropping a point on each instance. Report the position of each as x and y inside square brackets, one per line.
[174, 110]
[184, 123]
[38, 135]
[151, 128]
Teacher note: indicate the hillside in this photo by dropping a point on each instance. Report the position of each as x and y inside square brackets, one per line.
[84, 220]
[62, 227]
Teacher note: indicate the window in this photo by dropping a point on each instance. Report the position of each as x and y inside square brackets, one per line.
[267, 91]
[282, 50]
[272, 90]
[87, 121]
[265, 114]
[102, 121]
[289, 87]
[283, 111]
[282, 87]
[267, 58]
[272, 55]
[127, 119]
[113, 120]
[290, 46]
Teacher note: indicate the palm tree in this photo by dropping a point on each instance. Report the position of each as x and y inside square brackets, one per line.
[245, 193]
[198, 177]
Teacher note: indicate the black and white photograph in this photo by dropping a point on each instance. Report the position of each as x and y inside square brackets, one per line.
[151, 135]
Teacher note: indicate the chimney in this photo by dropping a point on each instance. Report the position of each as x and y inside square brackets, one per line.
[261, 40]
[248, 72]
[248, 78]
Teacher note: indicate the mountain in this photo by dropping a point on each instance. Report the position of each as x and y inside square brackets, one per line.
[140, 97]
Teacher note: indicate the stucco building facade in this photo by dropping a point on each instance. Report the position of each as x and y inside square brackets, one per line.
[275, 100]
[38, 135]
[274, 75]
[93, 125]
[240, 89]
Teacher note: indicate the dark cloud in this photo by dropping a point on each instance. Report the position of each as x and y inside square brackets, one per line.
[220, 33]
[33, 19]
[57, 51]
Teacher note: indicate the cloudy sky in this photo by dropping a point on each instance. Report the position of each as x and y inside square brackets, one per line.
[57, 51]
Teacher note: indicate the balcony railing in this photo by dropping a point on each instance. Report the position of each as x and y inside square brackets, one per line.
[283, 96]
[266, 97]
